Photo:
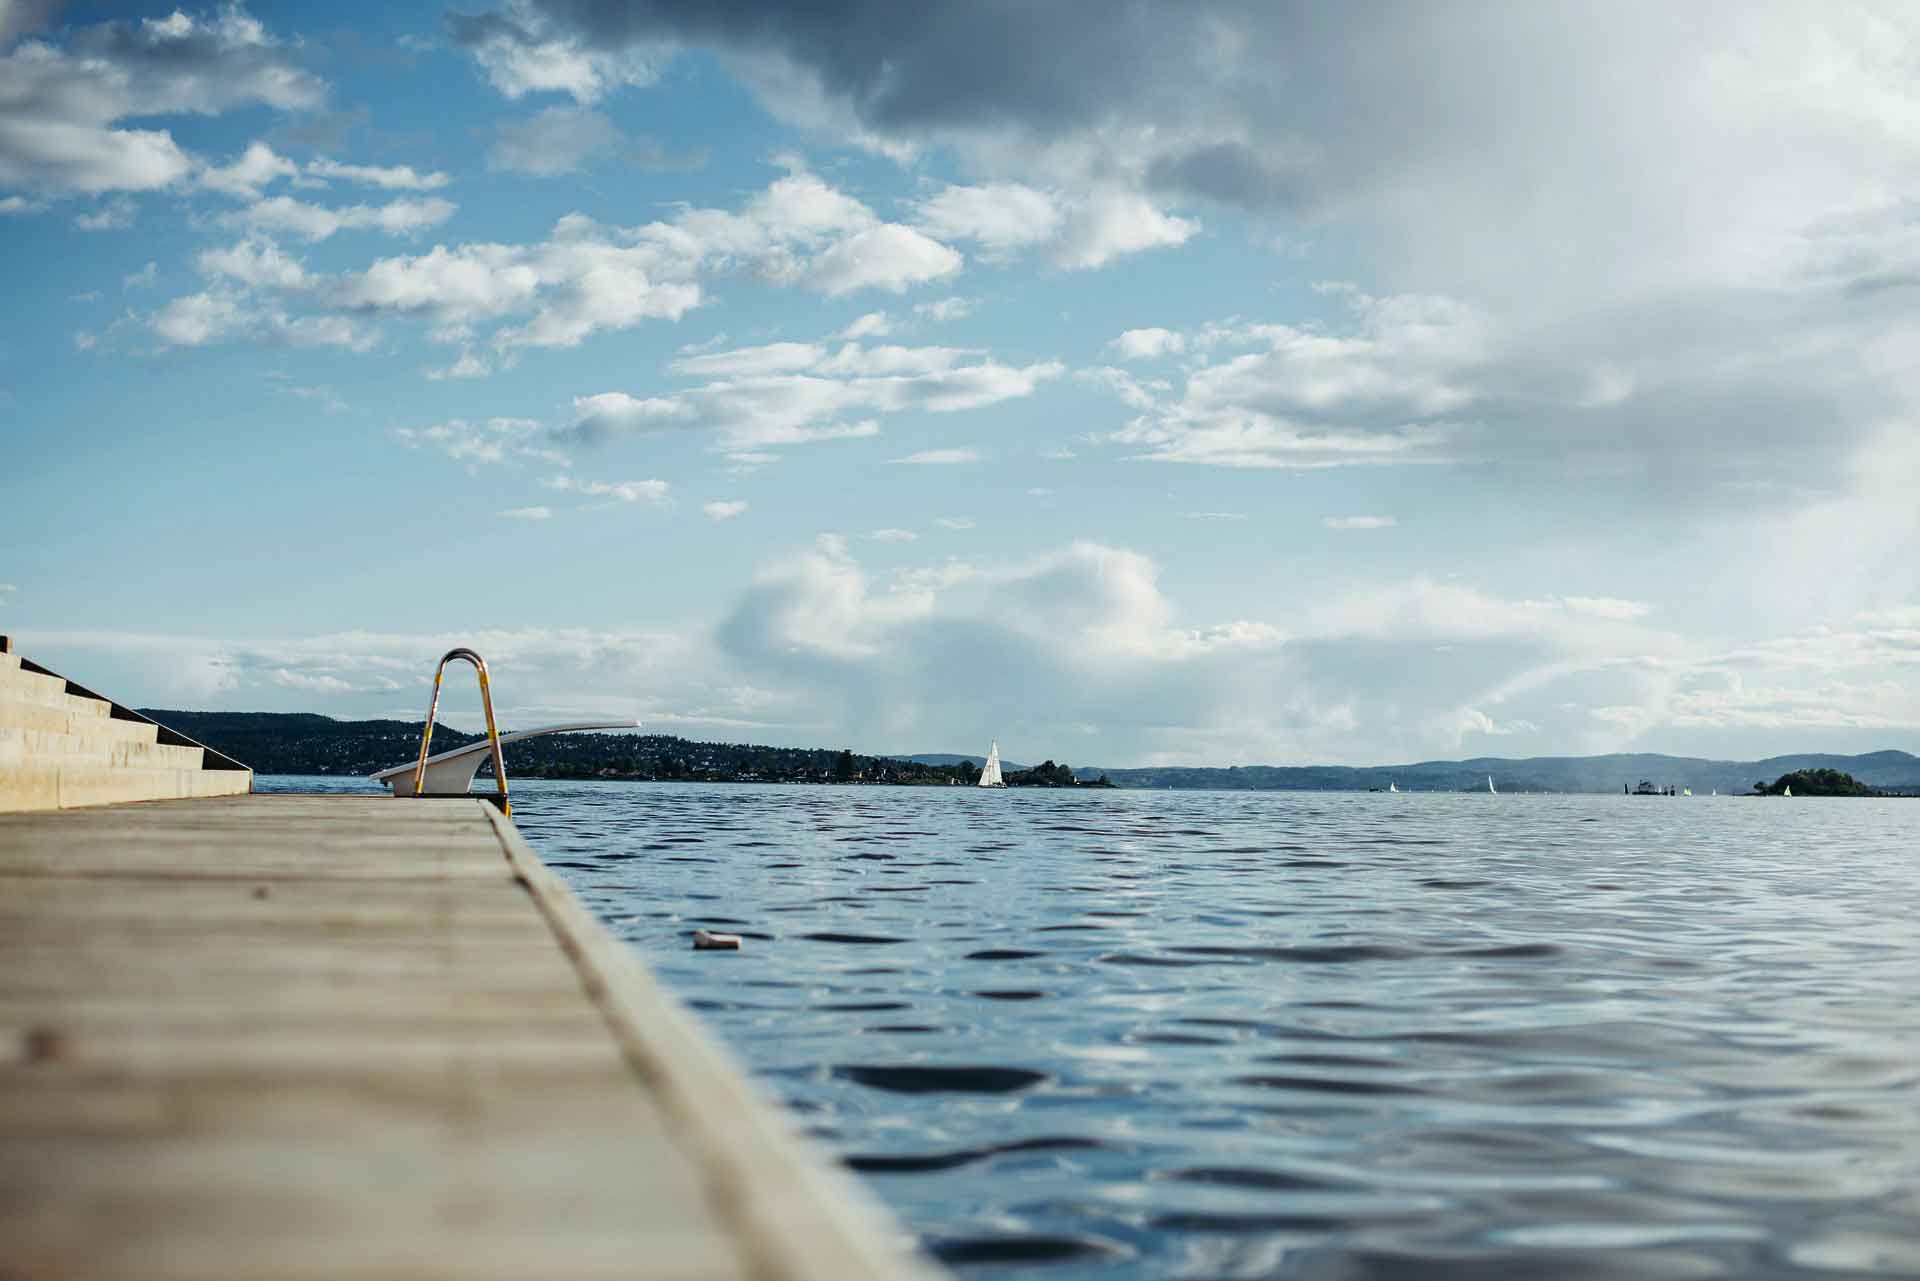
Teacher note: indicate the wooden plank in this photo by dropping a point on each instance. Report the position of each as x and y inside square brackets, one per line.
[354, 1037]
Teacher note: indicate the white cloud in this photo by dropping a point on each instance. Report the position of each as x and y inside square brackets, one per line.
[1110, 222]
[555, 141]
[386, 177]
[402, 217]
[774, 358]
[946, 309]
[794, 393]
[1214, 515]
[1148, 344]
[219, 314]
[1393, 391]
[522, 53]
[954, 522]
[940, 457]
[253, 262]
[650, 492]
[887, 256]
[85, 341]
[999, 216]
[492, 441]
[143, 278]
[15, 205]
[872, 325]
[723, 510]
[528, 513]
[1359, 522]
[115, 215]
[892, 535]
[467, 366]
[256, 167]
[61, 105]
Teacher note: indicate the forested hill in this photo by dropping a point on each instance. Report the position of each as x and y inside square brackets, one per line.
[284, 743]
[281, 743]
[1886, 771]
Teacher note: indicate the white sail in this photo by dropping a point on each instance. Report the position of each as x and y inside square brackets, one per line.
[990, 776]
[1787, 792]
[1393, 787]
[1490, 784]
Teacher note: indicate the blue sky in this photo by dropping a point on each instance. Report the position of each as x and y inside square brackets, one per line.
[1132, 383]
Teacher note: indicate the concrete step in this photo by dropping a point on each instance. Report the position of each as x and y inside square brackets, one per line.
[10, 660]
[52, 718]
[27, 745]
[50, 691]
[41, 786]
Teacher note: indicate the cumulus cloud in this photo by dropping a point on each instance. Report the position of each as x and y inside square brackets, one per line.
[403, 217]
[528, 513]
[61, 105]
[999, 216]
[945, 309]
[256, 167]
[588, 278]
[385, 177]
[493, 441]
[872, 325]
[1148, 344]
[723, 509]
[795, 393]
[222, 314]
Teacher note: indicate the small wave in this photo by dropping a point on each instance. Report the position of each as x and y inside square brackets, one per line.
[920, 1163]
[1002, 954]
[830, 936]
[923, 1079]
[1324, 1085]
[1023, 1249]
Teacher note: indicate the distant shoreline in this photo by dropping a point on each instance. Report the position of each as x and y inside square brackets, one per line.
[303, 743]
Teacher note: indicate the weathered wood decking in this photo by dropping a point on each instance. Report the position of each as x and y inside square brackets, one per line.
[271, 1037]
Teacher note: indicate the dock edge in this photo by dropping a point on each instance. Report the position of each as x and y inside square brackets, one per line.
[798, 1217]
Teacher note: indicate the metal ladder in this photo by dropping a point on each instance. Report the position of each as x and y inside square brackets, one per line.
[493, 730]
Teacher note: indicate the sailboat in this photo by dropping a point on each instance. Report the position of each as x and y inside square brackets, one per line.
[1393, 787]
[1788, 791]
[990, 776]
[1490, 784]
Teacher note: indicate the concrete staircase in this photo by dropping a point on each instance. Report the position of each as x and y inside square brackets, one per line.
[62, 747]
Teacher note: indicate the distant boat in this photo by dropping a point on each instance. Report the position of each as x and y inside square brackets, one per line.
[1393, 787]
[990, 776]
[1788, 791]
[1490, 784]
[1686, 791]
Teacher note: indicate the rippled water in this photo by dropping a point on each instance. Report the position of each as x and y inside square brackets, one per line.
[1192, 1034]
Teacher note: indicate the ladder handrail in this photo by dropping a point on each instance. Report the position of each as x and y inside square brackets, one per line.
[493, 731]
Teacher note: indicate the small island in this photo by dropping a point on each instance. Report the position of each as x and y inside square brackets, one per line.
[1814, 782]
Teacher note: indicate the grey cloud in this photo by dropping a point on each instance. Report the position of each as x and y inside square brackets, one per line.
[556, 141]
[24, 17]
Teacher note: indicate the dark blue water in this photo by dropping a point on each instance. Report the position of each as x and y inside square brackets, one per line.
[1190, 1034]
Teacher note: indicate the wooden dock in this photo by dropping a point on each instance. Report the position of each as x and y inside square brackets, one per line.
[276, 1037]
